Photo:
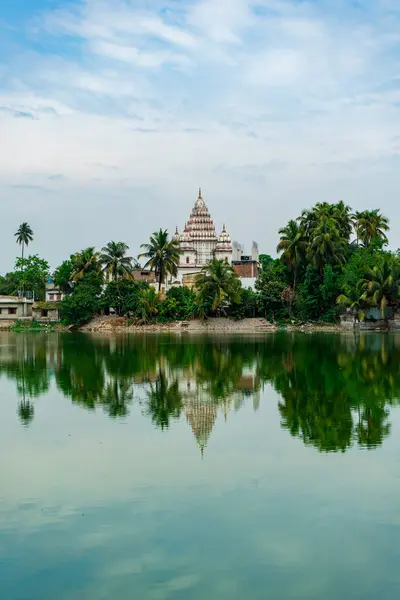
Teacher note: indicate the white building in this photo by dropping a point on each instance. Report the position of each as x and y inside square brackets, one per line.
[200, 244]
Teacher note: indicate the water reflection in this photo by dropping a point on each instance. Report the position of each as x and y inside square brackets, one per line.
[335, 391]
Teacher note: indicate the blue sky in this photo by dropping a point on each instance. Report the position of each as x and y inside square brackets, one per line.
[113, 112]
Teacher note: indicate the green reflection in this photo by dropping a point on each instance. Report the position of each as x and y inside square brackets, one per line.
[335, 391]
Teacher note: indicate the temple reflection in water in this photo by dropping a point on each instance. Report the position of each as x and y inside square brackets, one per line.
[334, 391]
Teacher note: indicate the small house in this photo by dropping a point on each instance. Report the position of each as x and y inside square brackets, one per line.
[46, 311]
[14, 308]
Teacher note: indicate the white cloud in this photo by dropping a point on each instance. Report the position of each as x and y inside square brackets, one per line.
[198, 93]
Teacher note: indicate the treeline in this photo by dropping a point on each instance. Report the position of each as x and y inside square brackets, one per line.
[331, 258]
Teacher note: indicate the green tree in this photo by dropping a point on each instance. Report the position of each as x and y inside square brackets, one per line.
[115, 262]
[381, 285]
[146, 304]
[122, 295]
[163, 255]
[85, 262]
[292, 248]
[63, 275]
[84, 302]
[327, 245]
[24, 235]
[32, 274]
[371, 224]
[218, 286]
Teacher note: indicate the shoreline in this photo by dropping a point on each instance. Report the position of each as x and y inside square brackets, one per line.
[220, 325]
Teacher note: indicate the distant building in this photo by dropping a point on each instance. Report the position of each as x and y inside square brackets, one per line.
[53, 293]
[246, 265]
[49, 309]
[13, 308]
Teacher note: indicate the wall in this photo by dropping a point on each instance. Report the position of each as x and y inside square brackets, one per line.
[248, 269]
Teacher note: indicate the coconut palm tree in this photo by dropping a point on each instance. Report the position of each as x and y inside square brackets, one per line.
[326, 244]
[86, 261]
[114, 260]
[343, 217]
[163, 255]
[24, 235]
[355, 302]
[218, 285]
[147, 304]
[371, 224]
[381, 285]
[292, 245]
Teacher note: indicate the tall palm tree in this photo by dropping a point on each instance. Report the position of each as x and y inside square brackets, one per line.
[24, 235]
[371, 224]
[219, 285]
[163, 255]
[292, 245]
[343, 217]
[326, 244]
[381, 285]
[86, 261]
[114, 260]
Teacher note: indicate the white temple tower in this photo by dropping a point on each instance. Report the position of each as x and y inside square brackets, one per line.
[199, 242]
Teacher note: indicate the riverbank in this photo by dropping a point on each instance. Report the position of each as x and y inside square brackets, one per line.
[113, 324]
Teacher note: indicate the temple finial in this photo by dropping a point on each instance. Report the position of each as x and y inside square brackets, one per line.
[199, 192]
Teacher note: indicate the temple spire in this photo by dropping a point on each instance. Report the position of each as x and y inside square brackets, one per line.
[199, 192]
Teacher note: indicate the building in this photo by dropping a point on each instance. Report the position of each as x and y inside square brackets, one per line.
[49, 310]
[246, 265]
[13, 308]
[53, 293]
[200, 243]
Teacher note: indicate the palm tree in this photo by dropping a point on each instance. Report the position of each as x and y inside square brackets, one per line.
[381, 285]
[115, 263]
[163, 255]
[24, 235]
[86, 261]
[326, 244]
[147, 304]
[219, 285]
[355, 302]
[371, 224]
[343, 217]
[292, 246]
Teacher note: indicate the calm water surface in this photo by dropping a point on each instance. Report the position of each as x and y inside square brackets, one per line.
[191, 468]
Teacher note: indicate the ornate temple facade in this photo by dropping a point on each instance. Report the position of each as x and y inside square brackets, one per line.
[200, 243]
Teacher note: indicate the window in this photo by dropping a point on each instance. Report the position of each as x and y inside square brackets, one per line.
[12, 311]
[187, 260]
[45, 313]
[51, 296]
[58, 296]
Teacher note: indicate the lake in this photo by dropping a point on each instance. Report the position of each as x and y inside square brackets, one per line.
[157, 467]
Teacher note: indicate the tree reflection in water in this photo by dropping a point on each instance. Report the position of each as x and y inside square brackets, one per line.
[335, 391]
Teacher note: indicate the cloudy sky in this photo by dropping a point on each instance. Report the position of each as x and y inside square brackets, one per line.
[113, 112]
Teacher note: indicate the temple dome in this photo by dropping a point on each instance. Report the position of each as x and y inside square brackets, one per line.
[224, 243]
[200, 224]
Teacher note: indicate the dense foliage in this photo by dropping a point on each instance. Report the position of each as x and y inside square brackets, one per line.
[330, 259]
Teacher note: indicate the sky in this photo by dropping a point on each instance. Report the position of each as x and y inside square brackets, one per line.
[114, 112]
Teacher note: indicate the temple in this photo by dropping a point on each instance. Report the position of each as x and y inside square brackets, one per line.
[199, 243]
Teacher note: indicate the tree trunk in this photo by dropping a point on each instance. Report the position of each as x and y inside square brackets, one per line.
[159, 281]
